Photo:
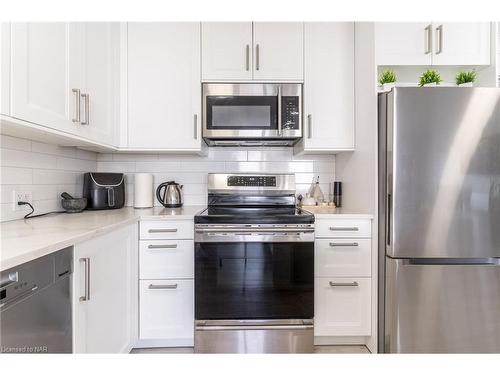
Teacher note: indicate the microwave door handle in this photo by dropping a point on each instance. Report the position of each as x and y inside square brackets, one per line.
[111, 197]
[279, 112]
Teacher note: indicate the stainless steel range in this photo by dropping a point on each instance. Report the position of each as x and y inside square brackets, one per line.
[254, 267]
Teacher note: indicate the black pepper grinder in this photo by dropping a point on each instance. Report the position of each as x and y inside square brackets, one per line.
[337, 193]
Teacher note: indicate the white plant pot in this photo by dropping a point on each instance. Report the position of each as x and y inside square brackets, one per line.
[433, 84]
[466, 84]
[388, 86]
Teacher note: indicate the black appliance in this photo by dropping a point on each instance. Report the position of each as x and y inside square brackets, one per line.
[254, 267]
[104, 190]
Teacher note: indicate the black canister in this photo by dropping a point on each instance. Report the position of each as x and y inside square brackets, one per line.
[337, 193]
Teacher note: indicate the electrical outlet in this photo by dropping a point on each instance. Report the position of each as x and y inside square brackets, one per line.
[22, 196]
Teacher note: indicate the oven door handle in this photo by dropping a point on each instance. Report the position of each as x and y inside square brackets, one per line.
[253, 327]
[254, 230]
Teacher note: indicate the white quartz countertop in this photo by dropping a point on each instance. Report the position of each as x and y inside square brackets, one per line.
[322, 212]
[26, 240]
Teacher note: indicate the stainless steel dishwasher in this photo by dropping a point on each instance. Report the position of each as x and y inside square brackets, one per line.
[35, 306]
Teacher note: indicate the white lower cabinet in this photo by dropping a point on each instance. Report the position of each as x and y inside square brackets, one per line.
[166, 283]
[343, 306]
[343, 283]
[105, 293]
[167, 310]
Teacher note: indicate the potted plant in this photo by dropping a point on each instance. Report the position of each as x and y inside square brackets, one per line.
[466, 78]
[430, 78]
[387, 79]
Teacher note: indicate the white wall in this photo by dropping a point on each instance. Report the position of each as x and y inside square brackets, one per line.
[45, 170]
[191, 171]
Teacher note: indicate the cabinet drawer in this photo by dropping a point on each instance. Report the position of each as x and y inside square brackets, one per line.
[166, 259]
[342, 257]
[343, 228]
[166, 309]
[167, 229]
[342, 306]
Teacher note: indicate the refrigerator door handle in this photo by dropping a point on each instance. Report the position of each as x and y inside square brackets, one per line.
[389, 218]
[452, 261]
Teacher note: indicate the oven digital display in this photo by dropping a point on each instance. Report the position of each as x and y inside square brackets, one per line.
[251, 181]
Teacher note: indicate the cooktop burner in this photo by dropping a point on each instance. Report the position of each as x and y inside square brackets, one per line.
[254, 215]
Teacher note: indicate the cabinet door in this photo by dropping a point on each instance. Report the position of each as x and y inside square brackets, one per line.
[167, 310]
[403, 43]
[278, 51]
[329, 86]
[226, 50]
[101, 76]
[342, 306]
[5, 68]
[46, 66]
[105, 321]
[462, 43]
[164, 94]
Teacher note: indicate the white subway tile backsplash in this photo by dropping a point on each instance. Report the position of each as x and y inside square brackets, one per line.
[192, 170]
[12, 175]
[45, 170]
[13, 143]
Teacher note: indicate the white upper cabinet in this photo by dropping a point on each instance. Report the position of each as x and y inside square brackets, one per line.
[164, 94]
[278, 51]
[46, 67]
[5, 68]
[461, 43]
[101, 81]
[262, 51]
[226, 50]
[329, 86]
[433, 43]
[403, 43]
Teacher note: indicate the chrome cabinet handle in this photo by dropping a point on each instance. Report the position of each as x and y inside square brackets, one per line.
[347, 244]
[309, 126]
[439, 32]
[165, 230]
[162, 286]
[247, 57]
[86, 296]
[280, 125]
[77, 105]
[428, 39]
[349, 229]
[86, 97]
[195, 126]
[354, 283]
[173, 246]
[257, 57]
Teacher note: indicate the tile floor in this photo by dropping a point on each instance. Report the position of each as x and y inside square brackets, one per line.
[323, 349]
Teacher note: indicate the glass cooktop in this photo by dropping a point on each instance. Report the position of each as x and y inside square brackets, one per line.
[254, 215]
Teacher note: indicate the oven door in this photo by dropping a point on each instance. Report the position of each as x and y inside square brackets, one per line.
[254, 280]
[251, 111]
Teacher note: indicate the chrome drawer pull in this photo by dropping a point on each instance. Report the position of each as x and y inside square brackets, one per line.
[350, 229]
[162, 246]
[348, 244]
[354, 283]
[162, 286]
[86, 296]
[166, 230]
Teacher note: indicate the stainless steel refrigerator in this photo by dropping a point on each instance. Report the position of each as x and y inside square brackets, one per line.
[439, 220]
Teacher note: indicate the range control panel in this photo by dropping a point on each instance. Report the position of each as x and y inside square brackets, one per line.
[251, 181]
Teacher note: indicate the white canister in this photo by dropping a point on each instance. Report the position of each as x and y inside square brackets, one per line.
[143, 190]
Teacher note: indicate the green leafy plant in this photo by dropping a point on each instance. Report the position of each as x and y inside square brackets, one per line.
[430, 76]
[387, 76]
[466, 76]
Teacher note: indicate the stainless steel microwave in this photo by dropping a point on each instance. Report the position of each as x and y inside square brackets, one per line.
[252, 114]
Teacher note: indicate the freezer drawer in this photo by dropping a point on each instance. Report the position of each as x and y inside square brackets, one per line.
[437, 308]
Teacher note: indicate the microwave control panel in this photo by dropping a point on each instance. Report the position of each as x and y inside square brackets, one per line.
[290, 112]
